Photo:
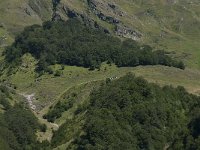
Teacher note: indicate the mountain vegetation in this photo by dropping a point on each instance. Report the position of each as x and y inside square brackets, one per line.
[18, 125]
[80, 62]
[130, 113]
[127, 113]
[72, 43]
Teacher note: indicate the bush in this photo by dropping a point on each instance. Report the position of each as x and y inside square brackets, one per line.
[43, 128]
[62, 67]
[49, 70]
[58, 73]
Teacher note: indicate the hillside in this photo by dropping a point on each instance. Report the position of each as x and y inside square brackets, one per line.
[99, 74]
[15, 15]
[18, 124]
[172, 25]
[86, 112]
[165, 24]
[130, 113]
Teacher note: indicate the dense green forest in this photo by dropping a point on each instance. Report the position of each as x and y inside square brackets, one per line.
[73, 43]
[131, 113]
[127, 113]
[18, 125]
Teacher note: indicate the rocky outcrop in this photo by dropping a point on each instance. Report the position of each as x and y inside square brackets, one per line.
[93, 5]
[56, 16]
[108, 19]
[99, 7]
[70, 13]
[127, 32]
[63, 12]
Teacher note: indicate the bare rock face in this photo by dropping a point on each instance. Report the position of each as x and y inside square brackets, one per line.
[127, 32]
[98, 7]
[63, 12]
[70, 13]
[110, 12]
[132, 19]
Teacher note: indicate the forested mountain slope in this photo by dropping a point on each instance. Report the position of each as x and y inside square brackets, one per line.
[70, 74]
[74, 43]
[130, 113]
[168, 24]
[18, 125]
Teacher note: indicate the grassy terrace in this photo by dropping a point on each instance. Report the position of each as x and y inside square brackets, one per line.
[49, 88]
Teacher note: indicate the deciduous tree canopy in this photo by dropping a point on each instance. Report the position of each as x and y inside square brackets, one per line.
[73, 43]
[130, 113]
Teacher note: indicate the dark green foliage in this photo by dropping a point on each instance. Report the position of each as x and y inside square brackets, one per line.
[7, 138]
[49, 70]
[73, 43]
[23, 123]
[58, 109]
[58, 73]
[108, 80]
[55, 3]
[60, 136]
[43, 128]
[5, 97]
[4, 101]
[81, 108]
[62, 67]
[130, 113]
[18, 126]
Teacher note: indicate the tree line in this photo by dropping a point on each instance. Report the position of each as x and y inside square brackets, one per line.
[73, 43]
